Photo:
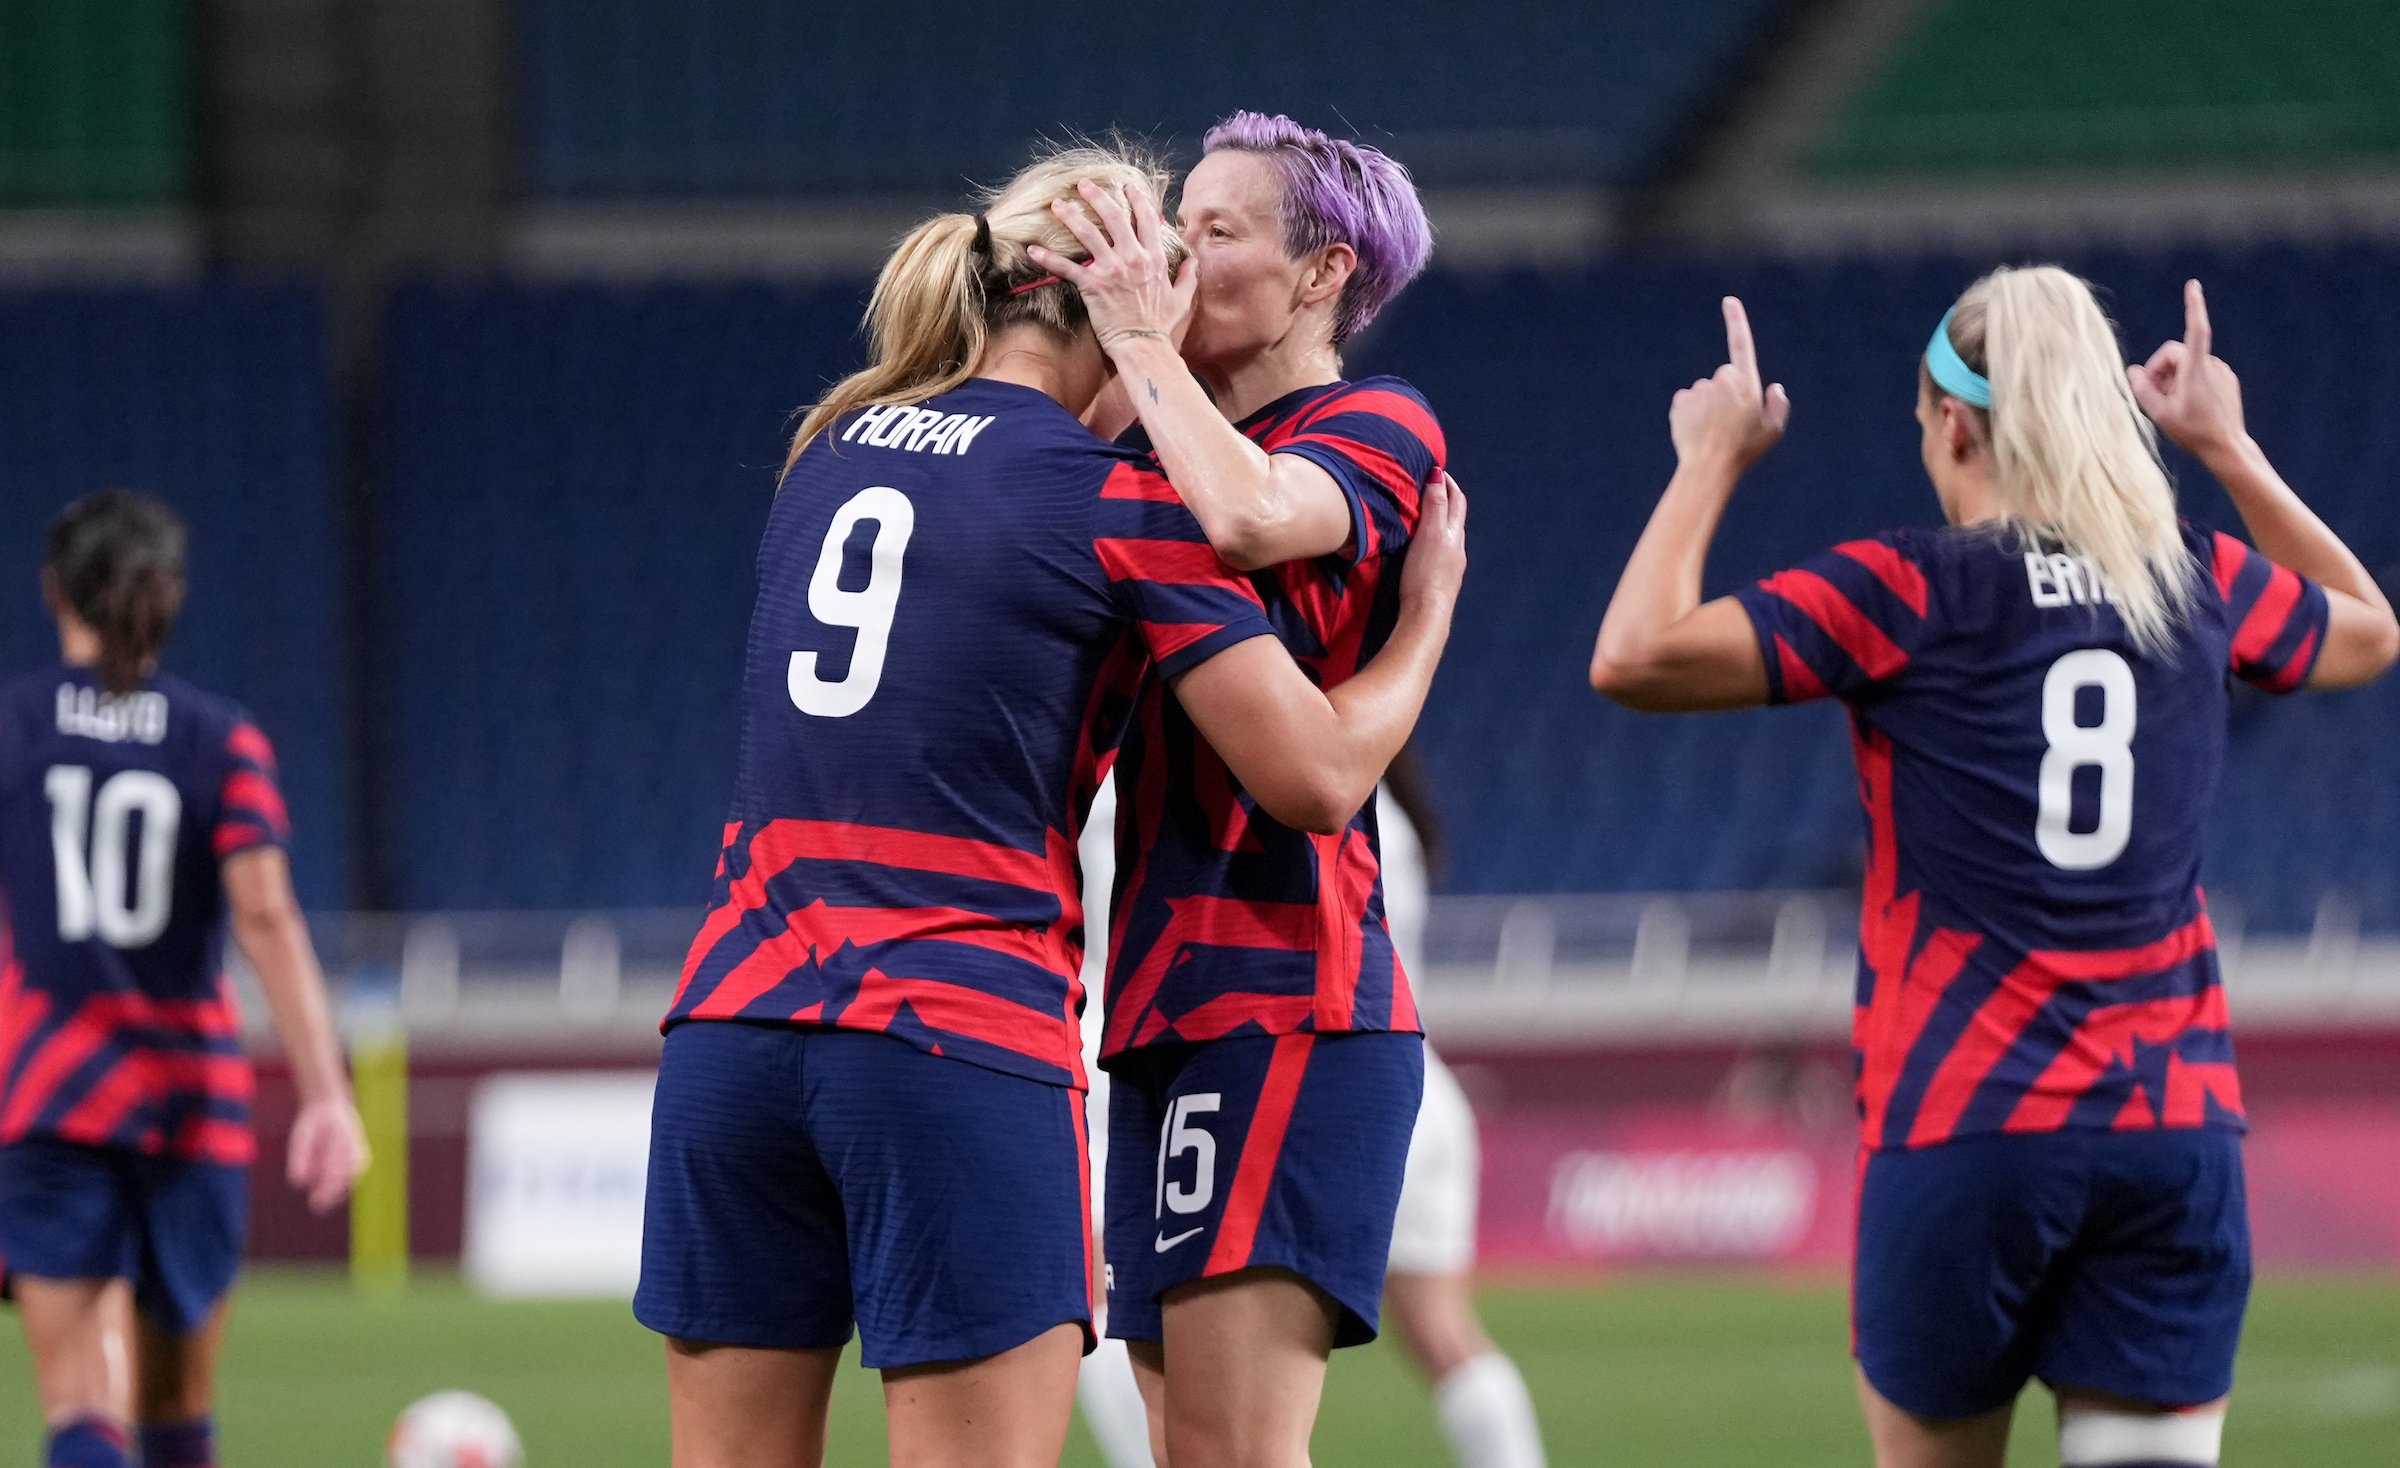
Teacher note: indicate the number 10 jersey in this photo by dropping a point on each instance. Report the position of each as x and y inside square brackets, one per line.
[2034, 950]
[116, 1025]
[957, 604]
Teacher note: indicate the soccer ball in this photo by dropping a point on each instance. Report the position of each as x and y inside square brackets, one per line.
[454, 1430]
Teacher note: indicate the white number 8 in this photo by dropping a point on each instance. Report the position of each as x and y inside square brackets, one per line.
[867, 611]
[2106, 746]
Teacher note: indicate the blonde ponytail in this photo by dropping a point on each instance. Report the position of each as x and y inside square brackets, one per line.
[957, 278]
[2074, 462]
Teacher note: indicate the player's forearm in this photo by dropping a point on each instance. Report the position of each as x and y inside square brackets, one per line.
[1377, 708]
[276, 943]
[2287, 531]
[1661, 584]
[1224, 479]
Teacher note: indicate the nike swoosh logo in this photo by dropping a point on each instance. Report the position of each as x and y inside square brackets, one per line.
[1165, 1243]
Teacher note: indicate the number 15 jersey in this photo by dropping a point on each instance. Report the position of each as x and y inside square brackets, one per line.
[957, 602]
[2034, 950]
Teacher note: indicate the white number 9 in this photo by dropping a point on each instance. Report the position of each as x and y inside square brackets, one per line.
[2106, 746]
[867, 611]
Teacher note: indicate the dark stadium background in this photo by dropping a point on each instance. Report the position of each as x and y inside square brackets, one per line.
[467, 332]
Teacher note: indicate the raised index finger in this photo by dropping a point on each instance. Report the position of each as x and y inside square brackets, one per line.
[1739, 349]
[2196, 331]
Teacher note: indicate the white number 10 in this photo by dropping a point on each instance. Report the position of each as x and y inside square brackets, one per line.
[100, 893]
[868, 611]
[2106, 746]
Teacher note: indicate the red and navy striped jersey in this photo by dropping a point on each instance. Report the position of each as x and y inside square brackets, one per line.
[956, 602]
[1226, 921]
[2035, 951]
[117, 1027]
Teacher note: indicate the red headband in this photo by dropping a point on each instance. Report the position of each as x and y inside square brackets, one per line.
[1034, 285]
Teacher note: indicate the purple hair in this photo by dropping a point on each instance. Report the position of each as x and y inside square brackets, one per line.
[1337, 192]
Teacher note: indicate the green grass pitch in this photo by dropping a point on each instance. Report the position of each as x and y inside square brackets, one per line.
[1691, 1371]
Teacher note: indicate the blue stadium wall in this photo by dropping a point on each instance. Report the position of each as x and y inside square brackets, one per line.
[216, 399]
[574, 479]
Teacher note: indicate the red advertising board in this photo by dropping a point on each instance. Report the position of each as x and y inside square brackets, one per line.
[1676, 1186]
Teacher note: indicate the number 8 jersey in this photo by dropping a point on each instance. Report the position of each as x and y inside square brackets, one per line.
[2034, 950]
[116, 1025]
[957, 602]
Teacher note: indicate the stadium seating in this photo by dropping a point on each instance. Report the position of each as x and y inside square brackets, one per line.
[1555, 391]
[94, 104]
[575, 478]
[573, 488]
[2132, 84]
[736, 97]
[217, 400]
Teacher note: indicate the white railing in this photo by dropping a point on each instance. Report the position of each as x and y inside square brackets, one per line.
[1537, 971]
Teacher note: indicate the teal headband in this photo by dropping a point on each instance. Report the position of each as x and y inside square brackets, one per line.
[1950, 370]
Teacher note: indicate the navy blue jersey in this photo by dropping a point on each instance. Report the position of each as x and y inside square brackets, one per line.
[116, 1025]
[1226, 921]
[2035, 953]
[956, 603]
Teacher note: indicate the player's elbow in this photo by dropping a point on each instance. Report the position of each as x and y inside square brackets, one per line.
[2383, 647]
[262, 917]
[1623, 680]
[1245, 540]
[1317, 801]
[2362, 656]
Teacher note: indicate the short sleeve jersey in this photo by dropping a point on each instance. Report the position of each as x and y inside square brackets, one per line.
[117, 1028]
[2035, 950]
[1227, 922]
[956, 602]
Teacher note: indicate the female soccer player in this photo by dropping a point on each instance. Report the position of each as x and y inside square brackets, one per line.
[2052, 1184]
[1262, 1042]
[869, 1108]
[139, 818]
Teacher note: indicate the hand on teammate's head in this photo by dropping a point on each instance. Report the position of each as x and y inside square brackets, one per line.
[1130, 288]
[2188, 391]
[1727, 416]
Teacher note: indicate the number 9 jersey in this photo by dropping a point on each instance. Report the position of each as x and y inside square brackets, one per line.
[957, 603]
[2035, 953]
[117, 1028]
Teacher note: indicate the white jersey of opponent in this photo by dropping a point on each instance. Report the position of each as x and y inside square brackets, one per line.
[1097, 852]
[1434, 1231]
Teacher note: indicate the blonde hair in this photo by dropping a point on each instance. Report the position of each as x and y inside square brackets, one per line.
[945, 290]
[2074, 461]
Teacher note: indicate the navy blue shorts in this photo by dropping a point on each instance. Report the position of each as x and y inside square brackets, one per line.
[1264, 1151]
[803, 1180]
[171, 1227]
[2115, 1262]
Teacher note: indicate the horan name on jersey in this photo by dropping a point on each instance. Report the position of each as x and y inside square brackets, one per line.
[918, 430]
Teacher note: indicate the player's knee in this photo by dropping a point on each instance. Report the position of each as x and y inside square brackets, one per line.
[2093, 1436]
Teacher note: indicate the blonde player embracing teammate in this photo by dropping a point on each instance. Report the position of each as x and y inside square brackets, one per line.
[2052, 1184]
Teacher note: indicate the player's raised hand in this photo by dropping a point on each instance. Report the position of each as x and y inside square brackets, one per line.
[1436, 563]
[1728, 417]
[328, 1152]
[2191, 395]
[1128, 289]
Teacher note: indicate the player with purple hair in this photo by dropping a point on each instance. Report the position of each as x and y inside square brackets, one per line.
[1260, 1032]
